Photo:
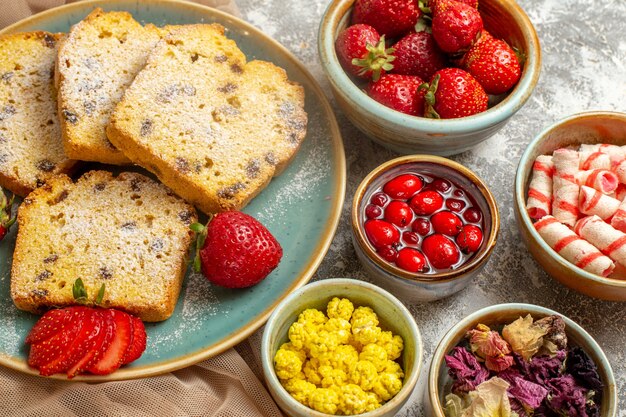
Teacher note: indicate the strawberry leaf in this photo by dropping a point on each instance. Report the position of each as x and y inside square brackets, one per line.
[100, 296]
[201, 232]
[424, 7]
[78, 291]
[197, 227]
[422, 25]
[7, 218]
[377, 59]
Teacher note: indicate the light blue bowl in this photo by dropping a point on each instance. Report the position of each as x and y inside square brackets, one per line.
[391, 313]
[503, 314]
[407, 134]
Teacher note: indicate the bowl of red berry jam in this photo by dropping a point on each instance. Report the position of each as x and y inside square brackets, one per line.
[423, 226]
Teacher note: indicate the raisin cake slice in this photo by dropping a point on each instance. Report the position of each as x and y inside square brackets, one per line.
[211, 126]
[31, 149]
[128, 232]
[99, 59]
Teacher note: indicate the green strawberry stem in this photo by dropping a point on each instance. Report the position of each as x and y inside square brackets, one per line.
[429, 97]
[100, 296]
[6, 208]
[201, 231]
[424, 7]
[80, 292]
[423, 24]
[378, 59]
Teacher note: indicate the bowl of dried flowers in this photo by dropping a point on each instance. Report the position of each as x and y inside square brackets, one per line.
[519, 360]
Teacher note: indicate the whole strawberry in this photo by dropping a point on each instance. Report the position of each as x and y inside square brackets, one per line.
[453, 93]
[6, 217]
[362, 52]
[455, 25]
[493, 63]
[399, 92]
[235, 250]
[418, 54]
[390, 17]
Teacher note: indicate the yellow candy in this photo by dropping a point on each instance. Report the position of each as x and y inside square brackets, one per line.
[324, 400]
[287, 364]
[341, 364]
[340, 308]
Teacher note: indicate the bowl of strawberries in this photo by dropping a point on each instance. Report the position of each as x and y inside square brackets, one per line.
[423, 226]
[433, 77]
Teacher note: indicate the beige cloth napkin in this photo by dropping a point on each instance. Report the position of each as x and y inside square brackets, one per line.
[223, 386]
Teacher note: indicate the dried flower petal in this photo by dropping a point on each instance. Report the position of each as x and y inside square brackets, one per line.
[486, 342]
[489, 345]
[582, 368]
[541, 368]
[455, 405]
[555, 338]
[566, 397]
[524, 337]
[499, 363]
[528, 393]
[466, 371]
[490, 400]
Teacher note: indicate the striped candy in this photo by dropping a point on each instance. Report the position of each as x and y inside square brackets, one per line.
[618, 221]
[594, 160]
[593, 202]
[601, 179]
[565, 187]
[604, 237]
[620, 171]
[573, 248]
[539, 201]
[616, 153]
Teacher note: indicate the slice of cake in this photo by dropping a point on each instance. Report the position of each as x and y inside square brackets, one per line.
[212, 127]
[127, 232]
[31, 149]
[99, 59]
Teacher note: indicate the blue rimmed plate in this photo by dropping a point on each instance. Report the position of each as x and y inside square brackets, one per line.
[301, 208]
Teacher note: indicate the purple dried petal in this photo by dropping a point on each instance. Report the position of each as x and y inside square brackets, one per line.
[465, 369]
[526, 392]
[541, 368]
[582, 368]
[566, 397]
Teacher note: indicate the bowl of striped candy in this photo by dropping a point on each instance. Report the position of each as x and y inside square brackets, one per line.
[570, 202]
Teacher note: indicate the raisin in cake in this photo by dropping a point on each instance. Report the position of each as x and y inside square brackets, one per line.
[31, 149]
[99, 59]
[127, 232]
[211, 126]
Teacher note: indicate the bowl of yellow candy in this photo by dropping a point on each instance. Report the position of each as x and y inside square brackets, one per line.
[341, 347]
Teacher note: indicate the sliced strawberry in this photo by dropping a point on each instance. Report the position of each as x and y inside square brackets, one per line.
[78, 347]
[51, 323]
[93, 345]
[114, 354]
[138, 341]
[50, 349]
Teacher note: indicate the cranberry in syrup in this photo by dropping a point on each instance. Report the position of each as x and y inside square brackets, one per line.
[372, 211]
[398, 213]
[422, 223]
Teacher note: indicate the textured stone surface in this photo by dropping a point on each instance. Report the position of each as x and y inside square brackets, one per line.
[584, 68]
